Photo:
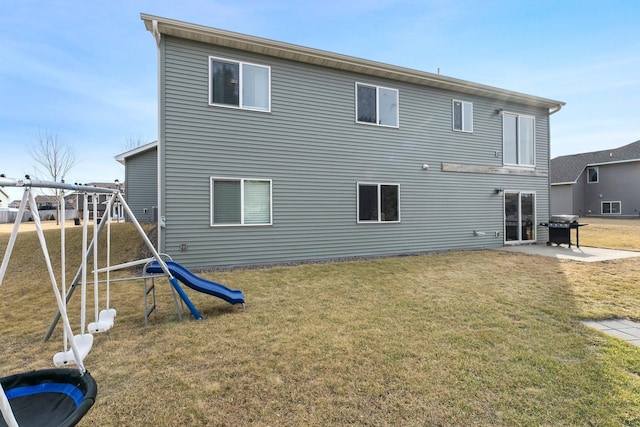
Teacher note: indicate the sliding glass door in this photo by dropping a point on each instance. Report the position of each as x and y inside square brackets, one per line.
[519, 216]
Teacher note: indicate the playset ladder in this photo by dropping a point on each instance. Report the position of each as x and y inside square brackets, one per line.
[149, 292]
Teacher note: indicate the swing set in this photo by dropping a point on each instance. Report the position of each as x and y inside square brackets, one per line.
[62, 396]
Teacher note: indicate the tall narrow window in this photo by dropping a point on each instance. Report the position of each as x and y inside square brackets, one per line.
[225, 83]
[239, 84]
[378, 202]
[240, 201]
[255, 87]
[376, 105]
[518, 133]
[227, 206]
[593, 175]
[257, 202]
[462, 116]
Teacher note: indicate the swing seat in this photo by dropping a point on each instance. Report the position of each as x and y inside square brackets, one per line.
[104, 323]
[82, 342]
[51, 397]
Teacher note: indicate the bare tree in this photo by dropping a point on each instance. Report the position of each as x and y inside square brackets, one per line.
[132, 142]
[54, 159]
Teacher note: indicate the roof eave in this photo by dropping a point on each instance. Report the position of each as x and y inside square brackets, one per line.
[121, 158]
[613, 162]
[337, 61]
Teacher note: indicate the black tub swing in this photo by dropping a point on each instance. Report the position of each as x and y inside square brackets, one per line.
[49, 397]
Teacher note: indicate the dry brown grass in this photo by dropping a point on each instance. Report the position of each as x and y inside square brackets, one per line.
[463, 338]
[608, 289]
[611, 233]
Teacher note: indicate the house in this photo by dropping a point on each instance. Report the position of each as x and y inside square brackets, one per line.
[75, 200]
[270, 152]
[46, 202]
[4, 199]
[141, 177]
[599, 183]
[48, 206]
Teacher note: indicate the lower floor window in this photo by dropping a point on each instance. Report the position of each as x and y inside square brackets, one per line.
[240, 201]
[378, 202]
[614, 208]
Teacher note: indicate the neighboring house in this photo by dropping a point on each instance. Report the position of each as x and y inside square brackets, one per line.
[270, 153]
[4, 199]
[75, 200]
[141, 177]
[600, 183]
[46, 203]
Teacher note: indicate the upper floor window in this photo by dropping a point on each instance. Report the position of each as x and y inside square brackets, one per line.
[239, 84]
[593, 175]
[240, 201]
[376, 105]
[518, 135]
[378, 202]
[462, 116]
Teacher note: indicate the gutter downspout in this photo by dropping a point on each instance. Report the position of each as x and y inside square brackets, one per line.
[552, 111]
[156, 32]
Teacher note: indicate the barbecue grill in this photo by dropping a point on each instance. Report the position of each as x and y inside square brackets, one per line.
[560, 227]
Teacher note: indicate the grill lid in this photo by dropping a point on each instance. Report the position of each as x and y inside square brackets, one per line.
[566, 219]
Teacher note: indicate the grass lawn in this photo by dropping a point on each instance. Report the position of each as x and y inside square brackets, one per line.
[453, 339]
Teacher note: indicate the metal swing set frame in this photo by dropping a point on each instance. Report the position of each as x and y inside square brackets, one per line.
[80, 345]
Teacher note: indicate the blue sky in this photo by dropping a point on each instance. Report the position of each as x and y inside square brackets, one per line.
[86, 70]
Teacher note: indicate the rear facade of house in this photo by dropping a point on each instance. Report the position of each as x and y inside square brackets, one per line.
[599, 183]
[275, 153]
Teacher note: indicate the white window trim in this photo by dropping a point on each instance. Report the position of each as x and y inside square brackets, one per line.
[377, 87]
[610, 202]
[597, 174]
[453, 114]
[242, 181]
[379, 221]
[519, 165]
[241, 79]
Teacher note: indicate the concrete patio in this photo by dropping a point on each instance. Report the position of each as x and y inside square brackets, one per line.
[583, 253]
[620, 328]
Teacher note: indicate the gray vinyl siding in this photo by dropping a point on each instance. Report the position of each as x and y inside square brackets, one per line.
[141, 180]
[311, 148]
[614, 185]
[562, 200]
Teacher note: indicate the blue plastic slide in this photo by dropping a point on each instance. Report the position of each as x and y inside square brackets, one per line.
[198, 283]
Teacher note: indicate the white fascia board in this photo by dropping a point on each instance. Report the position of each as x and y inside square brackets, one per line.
[612, 163]
[120, 158]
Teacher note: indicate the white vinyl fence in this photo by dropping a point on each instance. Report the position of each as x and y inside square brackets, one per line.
[8, 215]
